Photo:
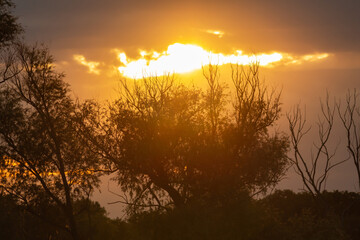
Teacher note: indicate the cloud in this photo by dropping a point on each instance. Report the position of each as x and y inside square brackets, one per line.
[217, 33]
[289, 26]
[92, 66]
[297, 60]
[183, 58]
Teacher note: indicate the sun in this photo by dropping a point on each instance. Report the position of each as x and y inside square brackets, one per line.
[184, 58]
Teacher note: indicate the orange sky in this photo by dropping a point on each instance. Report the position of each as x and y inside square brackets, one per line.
[92, 30]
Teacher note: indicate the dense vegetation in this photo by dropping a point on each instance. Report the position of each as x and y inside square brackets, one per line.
[281, 215]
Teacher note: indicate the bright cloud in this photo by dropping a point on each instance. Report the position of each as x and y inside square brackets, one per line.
[218, 33]
[92, 66]
[183, 58]
[297, 60]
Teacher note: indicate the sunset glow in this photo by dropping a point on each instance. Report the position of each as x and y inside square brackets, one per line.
[307, 58]
[92, 66]
[184, 58]
[218, 33]
[16, 165]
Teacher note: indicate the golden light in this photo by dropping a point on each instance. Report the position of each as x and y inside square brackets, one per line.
[92, 66]
[315, 57]
[218, 33]
[183, 58]
[306, 58]
[15, 170]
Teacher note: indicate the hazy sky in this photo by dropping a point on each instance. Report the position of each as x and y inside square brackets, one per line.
[295, 26]
[93, 28]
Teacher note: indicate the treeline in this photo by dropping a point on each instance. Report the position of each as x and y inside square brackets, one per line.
[17, 223]
[190, 163]
[281, 215]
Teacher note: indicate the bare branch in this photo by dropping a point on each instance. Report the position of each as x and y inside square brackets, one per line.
[314, 171]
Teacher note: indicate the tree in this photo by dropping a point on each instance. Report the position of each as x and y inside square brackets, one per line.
[243, 155]
[42, 160]
[350, 117]
[314, 169]
[171, 144]
[156, 117]
[256, 155]
[9, 28]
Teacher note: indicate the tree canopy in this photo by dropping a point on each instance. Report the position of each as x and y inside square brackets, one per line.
[9, 28]
[171, 144]
[43, 162]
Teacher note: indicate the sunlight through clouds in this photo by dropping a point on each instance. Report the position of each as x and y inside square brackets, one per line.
[183, 58]
[217, 33]
[92, 66]
[297, 60]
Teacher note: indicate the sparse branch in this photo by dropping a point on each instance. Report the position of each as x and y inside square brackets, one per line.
[214, 98]
[256, 107]
[314, 170]
[136, 202]
[8, 66]
[350, 117]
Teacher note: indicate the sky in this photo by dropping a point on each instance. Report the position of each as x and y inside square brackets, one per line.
[97, 30]
[95, 42]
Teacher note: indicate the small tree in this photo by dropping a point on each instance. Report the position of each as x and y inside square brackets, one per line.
[350, 118]
[156, 123]
[42, 160]
[171, 144]
[313, 170]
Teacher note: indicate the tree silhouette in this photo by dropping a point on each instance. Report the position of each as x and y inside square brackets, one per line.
[9, 28]
[172, 144]
[243, 156]
[315, 168]
[9, 31]
[350, 115]
[146, 135]
[42, 161]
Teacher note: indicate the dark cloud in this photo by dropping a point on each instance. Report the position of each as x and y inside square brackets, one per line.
[295, 26]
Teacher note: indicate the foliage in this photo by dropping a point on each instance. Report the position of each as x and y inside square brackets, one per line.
[333, 216]
[240, 220]
[171, 144]
[9, 32]
[282, 215]
[92, 221]
[9, 28]
[42, 160]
